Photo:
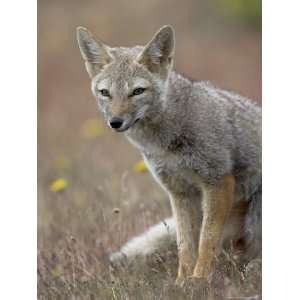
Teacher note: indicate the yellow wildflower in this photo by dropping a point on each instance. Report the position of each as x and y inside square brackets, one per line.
[55, 273]
[140, 167]
[58, 185]
[92, 128]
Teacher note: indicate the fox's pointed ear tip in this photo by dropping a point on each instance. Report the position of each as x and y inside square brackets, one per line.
[168, 27]
[81, 30]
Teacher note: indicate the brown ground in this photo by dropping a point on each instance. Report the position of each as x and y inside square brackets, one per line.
[78, 227]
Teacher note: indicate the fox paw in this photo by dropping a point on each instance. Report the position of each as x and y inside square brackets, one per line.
[198, 288]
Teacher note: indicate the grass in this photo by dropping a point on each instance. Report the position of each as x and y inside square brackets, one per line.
[95, 207]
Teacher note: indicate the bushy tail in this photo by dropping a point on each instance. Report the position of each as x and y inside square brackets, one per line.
[157, 240]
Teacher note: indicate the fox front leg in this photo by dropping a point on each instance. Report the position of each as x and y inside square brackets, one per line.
[216, 206]
[187, 212]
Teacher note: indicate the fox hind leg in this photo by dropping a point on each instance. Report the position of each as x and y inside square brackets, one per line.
[217, 202]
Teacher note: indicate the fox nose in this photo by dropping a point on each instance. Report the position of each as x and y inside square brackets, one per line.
[116, 122]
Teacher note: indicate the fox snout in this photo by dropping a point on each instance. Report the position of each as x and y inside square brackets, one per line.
[121, 124]
[116, 122]
[122, 116]
[119, 116]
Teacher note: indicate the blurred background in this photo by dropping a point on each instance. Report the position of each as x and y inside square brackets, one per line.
[91, 187]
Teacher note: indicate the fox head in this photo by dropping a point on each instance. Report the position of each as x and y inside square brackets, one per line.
[128, 83]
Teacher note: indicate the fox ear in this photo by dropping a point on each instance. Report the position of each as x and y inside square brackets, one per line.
[94, 53]
[158, 54]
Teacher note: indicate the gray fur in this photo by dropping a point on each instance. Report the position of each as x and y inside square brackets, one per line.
[189, 133]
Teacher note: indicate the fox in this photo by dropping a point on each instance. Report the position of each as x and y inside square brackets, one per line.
[202, 144]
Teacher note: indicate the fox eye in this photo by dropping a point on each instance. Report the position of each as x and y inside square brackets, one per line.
[104, 93]
[138, 91]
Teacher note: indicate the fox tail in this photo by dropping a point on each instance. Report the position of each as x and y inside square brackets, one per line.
[155, 241]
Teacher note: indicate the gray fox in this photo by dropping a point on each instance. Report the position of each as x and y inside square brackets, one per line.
[202, 144]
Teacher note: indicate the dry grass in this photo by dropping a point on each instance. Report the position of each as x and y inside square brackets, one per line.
[83, 229]
[102, 201]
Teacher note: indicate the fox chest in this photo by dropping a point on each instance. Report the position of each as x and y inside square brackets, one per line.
[167, 162]
[171, 172]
